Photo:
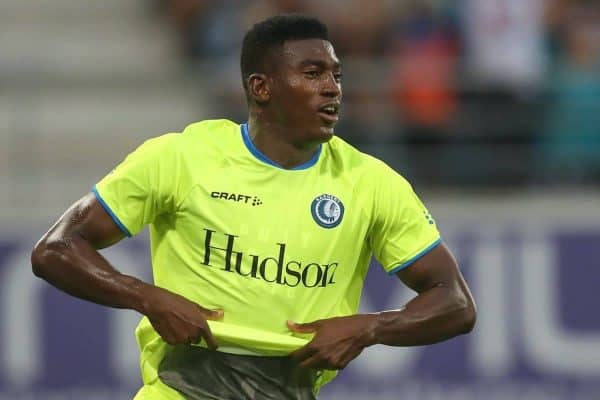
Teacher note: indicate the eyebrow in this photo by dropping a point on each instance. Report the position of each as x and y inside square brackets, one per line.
[319, 63]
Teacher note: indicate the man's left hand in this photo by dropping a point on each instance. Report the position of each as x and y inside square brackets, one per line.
[337, 341]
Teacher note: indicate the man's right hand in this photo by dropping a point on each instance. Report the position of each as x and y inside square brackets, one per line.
[67, 257]
[176, 319]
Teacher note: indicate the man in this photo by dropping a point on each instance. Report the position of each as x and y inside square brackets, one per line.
[261, 236]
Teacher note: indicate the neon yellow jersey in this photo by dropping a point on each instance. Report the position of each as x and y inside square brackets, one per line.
[230, 229]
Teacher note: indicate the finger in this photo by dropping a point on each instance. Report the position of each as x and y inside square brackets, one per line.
[210, 340]
[169, 339]
[212, 315]
[309, 327]
[303, 353]
[314, 362]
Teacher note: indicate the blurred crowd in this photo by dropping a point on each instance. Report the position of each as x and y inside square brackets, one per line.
[503, 90]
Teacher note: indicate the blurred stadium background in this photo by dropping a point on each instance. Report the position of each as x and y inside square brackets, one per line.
[490, 107]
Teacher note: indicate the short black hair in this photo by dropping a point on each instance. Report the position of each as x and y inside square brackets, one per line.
[273, 32]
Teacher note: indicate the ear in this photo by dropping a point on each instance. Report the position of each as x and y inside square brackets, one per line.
[259, 89]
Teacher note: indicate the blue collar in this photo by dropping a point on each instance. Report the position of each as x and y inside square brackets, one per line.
[258, 154]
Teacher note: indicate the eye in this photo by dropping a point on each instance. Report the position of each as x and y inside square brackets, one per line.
[338, 76]
[312, 74]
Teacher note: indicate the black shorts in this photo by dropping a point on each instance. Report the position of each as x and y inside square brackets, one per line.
[201, 374]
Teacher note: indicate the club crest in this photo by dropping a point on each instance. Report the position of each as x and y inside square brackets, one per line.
[327, 210]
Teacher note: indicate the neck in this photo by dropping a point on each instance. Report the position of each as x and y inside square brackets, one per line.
[276, 141]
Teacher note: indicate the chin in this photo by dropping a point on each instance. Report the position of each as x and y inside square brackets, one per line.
[326, 133]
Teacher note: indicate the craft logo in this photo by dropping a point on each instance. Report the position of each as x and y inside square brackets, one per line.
[327, 210]
[237, 197]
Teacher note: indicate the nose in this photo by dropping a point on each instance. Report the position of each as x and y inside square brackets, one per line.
[331, 87]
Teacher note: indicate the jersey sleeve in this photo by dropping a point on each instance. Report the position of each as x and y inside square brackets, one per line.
[403, 230]
[143, 186]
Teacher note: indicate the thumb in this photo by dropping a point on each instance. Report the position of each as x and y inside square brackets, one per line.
[308, 327]
[213, 314]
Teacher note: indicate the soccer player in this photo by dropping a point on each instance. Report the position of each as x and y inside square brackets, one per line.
[261, 236]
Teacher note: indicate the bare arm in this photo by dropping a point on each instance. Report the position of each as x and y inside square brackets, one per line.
[442, 309]
[67, 257]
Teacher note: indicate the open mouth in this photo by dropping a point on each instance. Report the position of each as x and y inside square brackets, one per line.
[330, 112]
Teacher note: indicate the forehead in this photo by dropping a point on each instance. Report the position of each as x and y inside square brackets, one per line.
[295, 52]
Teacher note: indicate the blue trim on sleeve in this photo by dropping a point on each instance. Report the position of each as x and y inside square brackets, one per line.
[259, 154]
[415, 258]
[110, 212]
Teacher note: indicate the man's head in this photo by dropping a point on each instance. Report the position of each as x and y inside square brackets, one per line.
[291, 76]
